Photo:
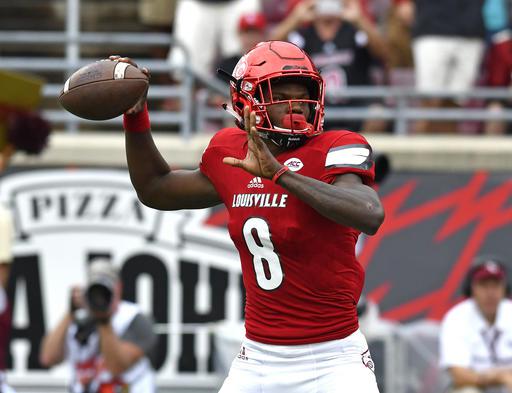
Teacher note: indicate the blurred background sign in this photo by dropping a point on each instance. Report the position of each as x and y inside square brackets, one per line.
[183, 269]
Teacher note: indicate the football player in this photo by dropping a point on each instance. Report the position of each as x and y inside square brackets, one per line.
[297, 200]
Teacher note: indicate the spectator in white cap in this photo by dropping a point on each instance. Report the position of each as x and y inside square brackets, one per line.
[476, 333]
[107, 341]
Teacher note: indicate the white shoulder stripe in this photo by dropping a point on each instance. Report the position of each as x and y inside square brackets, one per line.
[348, 156]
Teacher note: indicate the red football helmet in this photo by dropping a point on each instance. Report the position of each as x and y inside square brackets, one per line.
[271, 62]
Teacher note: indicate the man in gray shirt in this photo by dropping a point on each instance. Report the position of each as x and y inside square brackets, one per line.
[108, 342]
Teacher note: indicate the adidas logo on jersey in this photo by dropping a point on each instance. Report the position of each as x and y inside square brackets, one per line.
[256, 183]
[241, 354]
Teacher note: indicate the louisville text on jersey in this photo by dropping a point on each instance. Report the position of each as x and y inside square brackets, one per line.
[259, 200]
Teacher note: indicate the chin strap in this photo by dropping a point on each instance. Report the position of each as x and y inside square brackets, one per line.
[291, 122]
[285, 141]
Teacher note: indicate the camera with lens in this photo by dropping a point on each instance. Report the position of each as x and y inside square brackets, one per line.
[99, 295]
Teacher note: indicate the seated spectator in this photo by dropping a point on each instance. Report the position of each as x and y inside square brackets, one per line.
[343, 43]
[476, 333]
[447, 50]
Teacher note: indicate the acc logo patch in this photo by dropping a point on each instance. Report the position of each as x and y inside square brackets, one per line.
[294, 164]
[367, 360]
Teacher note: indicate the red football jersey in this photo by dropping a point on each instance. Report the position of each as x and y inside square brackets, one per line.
[299, 268]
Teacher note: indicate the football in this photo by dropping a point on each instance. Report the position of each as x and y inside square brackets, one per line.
[103, 90]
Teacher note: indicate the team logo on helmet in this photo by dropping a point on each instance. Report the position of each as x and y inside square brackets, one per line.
[240, 68]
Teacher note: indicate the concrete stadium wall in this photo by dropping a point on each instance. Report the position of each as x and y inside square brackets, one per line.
[419, 153]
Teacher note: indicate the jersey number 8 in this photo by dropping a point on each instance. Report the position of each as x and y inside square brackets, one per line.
[263, 253]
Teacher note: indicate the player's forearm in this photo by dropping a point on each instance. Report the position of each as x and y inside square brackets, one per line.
[356, 206]
[146, 166]
[52, 348]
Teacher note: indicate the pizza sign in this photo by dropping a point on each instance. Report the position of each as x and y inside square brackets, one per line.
[183, 273]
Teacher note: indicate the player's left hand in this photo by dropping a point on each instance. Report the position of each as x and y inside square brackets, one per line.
[259, 161]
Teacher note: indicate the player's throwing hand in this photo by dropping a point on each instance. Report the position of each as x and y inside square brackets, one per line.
[140, 104]
[259, 161]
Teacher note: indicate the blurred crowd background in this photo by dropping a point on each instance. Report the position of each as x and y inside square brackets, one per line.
[391, 66]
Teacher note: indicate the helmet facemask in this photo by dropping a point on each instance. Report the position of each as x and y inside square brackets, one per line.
[295, 129]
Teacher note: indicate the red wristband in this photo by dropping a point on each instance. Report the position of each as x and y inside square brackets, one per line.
[279, 173]
[137, 122]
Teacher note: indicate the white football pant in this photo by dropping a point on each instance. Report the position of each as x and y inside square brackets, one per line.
[330, 367]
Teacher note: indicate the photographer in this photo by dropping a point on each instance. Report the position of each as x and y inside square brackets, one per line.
[107, 341]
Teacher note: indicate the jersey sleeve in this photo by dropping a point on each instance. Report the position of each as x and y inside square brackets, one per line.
[349, 153]
[203, 164]
[211, 164]
[207, 158]
[454, 347]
